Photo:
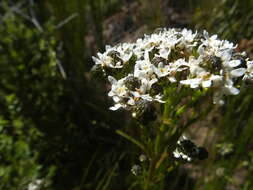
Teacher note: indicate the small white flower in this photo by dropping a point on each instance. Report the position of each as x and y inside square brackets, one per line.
[146, 84]
[35, 185]
[164, 52]
[103, 60]
[118, 87]
[162, 70]
[179, 65]
[225, 55]
[249, 71]
[143, 158]
[194, 64]
[187, 39]
[144, 68]
[136, 170]
[125, 51]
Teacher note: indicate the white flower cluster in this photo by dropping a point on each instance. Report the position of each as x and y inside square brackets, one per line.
[137, 71]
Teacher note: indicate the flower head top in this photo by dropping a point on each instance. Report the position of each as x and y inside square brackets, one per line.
[138, 71]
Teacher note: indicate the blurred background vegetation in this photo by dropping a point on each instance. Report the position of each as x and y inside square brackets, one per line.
[55, 125]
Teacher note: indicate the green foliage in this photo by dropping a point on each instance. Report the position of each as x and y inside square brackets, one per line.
[153, 13]
[27, 60]
[229, 18]
[232, 155]
[49, 104]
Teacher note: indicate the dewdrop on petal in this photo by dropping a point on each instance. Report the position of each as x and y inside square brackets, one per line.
[172, 56]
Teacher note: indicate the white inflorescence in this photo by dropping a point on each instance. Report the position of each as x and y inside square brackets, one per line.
[196, 60]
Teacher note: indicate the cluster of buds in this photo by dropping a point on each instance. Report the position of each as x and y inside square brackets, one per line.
[187, 151]
[138, 72]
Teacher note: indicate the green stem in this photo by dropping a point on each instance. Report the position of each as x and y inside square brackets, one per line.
[138, 143]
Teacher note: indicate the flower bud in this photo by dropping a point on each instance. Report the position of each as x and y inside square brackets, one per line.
[136, 170]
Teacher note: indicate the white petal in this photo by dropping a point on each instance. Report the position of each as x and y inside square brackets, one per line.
[116, 98]
[112, 80]
[232, 90]
[176, 154]
[147, 97]
[224, 55]
[186, 82]
[126, 58]
[146, 56]
[95, 59]
[194, 83]
[216, 78]
[111, 93]
[172, 79]
[206, 83]
[184, 156]
[115, 107]
[164, 53]
[234, 63]
[160, 101]
[107, 47]
[160, 65]
[118, 65]
[135, 94]
[238, 72]
[152, 81]
[229, 82]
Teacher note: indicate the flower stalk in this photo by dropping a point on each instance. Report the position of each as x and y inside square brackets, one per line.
[168, 81]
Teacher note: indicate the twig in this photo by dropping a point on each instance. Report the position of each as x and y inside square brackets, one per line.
[58, 62]
[139, 144]
[65, 21]
[33, 17]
